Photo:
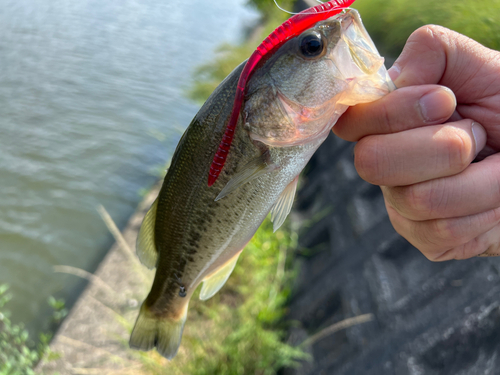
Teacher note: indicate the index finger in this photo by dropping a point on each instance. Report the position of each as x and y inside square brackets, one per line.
[402, 109]
[435, 54]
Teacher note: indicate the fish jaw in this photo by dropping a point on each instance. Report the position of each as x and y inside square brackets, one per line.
[293, 99]
[359, 63]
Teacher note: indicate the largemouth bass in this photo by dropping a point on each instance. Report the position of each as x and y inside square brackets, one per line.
[194, 233]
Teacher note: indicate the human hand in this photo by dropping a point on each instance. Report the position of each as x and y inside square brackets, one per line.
[418, 143]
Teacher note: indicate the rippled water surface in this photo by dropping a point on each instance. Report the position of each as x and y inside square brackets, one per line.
[91, 103]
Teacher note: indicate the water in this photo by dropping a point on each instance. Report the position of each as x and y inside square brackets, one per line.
[91, 103]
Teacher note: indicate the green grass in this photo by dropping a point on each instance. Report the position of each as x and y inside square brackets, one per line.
[390, 22]
[241, 330]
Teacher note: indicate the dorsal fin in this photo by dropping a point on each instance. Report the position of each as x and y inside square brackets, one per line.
[145, 245]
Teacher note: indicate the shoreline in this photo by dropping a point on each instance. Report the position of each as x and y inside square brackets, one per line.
[95, 333]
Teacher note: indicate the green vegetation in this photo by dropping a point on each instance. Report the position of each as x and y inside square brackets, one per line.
[18, 354]
[209, 76]
[60, 310]
[240, 329]
[269, 10]
[390, 22]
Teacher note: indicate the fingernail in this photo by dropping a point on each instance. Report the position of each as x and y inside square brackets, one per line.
[437, 105]
[394, 72]
[479, 135]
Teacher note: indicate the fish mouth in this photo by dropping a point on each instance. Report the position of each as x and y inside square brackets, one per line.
[358, 62]
[361, 48]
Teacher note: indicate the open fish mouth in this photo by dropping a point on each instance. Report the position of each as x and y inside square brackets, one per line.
[358, 62]
[354, 73]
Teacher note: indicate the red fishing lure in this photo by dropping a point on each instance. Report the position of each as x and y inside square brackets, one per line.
[289, 29]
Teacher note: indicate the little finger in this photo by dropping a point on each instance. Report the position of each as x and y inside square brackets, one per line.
[435, 237]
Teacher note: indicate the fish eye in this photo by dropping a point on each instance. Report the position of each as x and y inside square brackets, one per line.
[311, 45]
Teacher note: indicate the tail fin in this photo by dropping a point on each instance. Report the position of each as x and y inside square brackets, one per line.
[150, 331]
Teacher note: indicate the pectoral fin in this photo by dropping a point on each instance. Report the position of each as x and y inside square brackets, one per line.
[283, 205]
[216, 280]
[146, 248]
[253, 169]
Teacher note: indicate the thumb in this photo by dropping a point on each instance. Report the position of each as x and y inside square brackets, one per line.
[437, 55]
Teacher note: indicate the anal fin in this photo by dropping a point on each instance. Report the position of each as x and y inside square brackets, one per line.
[217, 279]
[145, 245]
[283, 205]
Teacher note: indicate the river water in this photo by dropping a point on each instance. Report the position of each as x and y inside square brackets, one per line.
[91, 105]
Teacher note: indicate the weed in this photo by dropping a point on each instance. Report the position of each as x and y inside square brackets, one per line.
[19, 354]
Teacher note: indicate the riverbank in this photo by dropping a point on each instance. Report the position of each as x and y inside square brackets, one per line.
[93, 338]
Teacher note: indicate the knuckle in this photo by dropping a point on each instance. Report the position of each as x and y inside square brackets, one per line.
[433, 238]
[428, 200]
[456, 253]
[441, 231]
[445, 233]
[459, 148]
[419, 201]
[385, 115]
[422, 237]
[368, 159]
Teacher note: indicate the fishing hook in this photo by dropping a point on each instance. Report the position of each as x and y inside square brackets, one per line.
[303, 12]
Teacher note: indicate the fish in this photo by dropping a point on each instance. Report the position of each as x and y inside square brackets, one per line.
[195, 231]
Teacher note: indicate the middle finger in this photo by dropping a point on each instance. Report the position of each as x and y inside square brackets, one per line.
[419, 154]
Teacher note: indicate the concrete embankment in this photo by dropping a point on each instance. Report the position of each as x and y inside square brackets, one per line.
[93, 338]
